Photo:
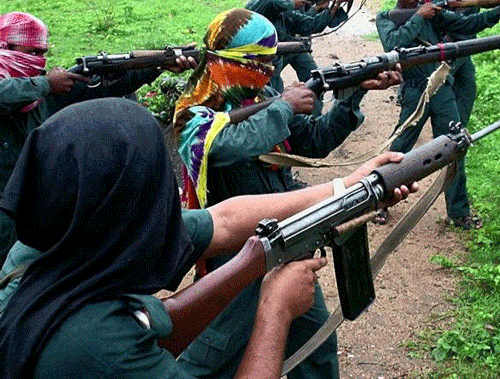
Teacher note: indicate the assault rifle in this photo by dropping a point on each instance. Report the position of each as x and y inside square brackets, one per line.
[109, 66]
[400, 15]
[340, 76]
[299, 236]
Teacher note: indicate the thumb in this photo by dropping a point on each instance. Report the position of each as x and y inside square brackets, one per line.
[315, 264]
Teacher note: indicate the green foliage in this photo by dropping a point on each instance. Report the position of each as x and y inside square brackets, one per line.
[160, 96]
[443, 261]
[79, 28]
[82, 28]
[471, 347]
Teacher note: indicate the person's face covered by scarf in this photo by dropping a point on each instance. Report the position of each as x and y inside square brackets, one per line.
[23, 42]
[240, 48]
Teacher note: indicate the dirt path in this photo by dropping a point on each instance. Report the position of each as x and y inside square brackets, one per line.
[409, 289]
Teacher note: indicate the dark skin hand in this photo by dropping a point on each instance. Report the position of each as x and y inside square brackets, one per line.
[384, 79]
[301, 98]
[400, 193]
[428, 10]
[300, 3]
[182, 64]
[62, 81]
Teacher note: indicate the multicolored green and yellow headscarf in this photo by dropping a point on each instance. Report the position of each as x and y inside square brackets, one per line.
[230, 74]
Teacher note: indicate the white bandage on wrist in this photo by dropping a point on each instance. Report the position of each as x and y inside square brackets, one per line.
[338, 187]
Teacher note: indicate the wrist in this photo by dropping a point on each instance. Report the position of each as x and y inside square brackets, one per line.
[271, 312]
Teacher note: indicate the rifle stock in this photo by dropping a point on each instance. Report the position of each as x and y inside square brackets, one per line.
[340, 76]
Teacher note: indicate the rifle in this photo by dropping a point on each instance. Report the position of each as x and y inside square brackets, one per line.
[340, 76]
[108, 66]
[400, 15]
[317, 227]
[299, 236]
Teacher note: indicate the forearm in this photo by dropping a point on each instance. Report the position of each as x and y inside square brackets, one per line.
[193, 308]
[236, 219]
[250, 138]
[454, 22]
[126, 84]
[264, 355]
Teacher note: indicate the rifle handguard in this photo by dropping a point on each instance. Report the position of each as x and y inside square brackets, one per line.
[424, 160]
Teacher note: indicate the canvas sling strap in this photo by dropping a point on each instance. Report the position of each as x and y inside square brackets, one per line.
[397, 234]
[400, 230]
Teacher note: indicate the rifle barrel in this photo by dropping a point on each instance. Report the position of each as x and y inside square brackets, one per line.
[485, 131]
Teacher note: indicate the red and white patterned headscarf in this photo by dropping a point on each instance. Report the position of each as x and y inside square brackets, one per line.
[21, 29]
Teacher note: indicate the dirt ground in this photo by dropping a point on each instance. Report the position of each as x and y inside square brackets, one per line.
[410, 291]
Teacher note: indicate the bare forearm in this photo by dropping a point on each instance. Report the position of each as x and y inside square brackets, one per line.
[236, 219]
[264, 355]
[194, 307]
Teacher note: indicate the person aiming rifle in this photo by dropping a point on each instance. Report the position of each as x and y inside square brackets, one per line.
[221, 161]
[428, 25]
[105, 67]
[28, 96]
[112, 234]
[291, 19]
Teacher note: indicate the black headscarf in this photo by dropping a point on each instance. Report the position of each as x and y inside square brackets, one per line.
[95, 191]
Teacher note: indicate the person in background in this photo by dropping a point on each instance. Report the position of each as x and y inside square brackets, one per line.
[28, 96]
[428, 25]
[291, 20]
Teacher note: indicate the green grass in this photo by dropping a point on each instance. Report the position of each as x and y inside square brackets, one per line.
[86, 27]
[469, 347]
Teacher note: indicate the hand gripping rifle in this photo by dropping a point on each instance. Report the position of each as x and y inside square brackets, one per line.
[298, 237]
[400, 15]
[109, 66]
[340, 76]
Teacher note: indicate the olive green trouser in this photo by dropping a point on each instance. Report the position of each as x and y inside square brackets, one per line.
[442, 109]
[464, 88]
[218, 350]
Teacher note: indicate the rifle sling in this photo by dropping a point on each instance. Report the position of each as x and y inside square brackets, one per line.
[400, 230]
[397, 234]
[435, 81]
[14, 274]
